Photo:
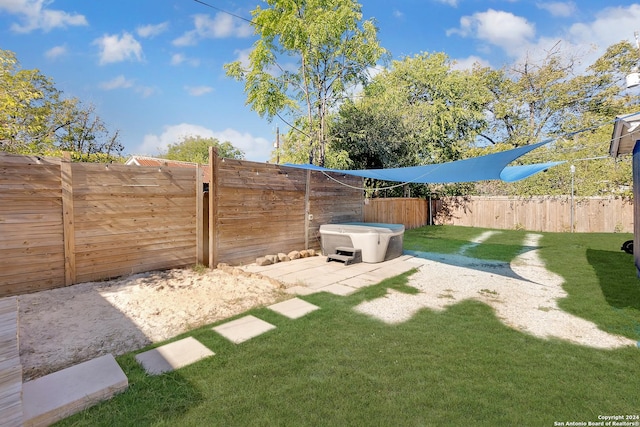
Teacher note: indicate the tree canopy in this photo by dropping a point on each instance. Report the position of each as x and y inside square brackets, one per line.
[419, 111]
[331, 47]
[196, 149]
[423, 110]
[36, 119]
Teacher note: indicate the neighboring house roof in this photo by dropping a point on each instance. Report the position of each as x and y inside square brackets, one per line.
[157, 162]
[626, 131]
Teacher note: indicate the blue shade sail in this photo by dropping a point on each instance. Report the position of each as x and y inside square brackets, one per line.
[491, 166]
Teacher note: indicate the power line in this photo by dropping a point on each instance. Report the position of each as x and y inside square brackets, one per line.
[226, 12]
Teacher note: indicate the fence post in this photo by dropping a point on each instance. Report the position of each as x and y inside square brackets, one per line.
[307, 210]
[199, 219]
[213, 208]
[68, 226]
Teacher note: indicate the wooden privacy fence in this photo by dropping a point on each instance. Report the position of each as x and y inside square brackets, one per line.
[591, 214]
[554, 214]
[258, 209]
[411, 212]
[63, 223]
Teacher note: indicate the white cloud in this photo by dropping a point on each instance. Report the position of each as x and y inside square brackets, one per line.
[221, 26]
[453, 3]
[587, 41]
[198, 90]
[145, 91]
[35, 16]
[114, 48]
[398, 14]
[498, 28]
[179, 58]
[55, 52]
[561, 9]
[255, 148]
[468, 63]
[119, 82]
[146, 31]
[242, 55]
[611, 25]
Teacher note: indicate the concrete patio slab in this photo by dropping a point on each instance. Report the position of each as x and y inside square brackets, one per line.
[294, 308]
[173, 356]
[310, 275]
[59, 395]
[243, 329]
[359, 282]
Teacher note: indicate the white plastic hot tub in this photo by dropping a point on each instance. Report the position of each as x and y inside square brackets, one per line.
[378, 242]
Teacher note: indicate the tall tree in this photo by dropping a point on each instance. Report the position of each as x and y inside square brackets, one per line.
[27, 102]
[420, 111]
[36, 119]
[332, 48]
[535, 99]
[196, 149]
[556, 99]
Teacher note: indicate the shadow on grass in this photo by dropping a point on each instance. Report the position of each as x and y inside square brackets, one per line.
[148, 399]
[500, 268]
[616, 276]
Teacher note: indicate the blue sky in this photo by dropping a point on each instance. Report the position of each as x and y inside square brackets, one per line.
[154, 69]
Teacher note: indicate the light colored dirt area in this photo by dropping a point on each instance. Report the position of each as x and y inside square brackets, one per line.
[523, 294]
[64, 326]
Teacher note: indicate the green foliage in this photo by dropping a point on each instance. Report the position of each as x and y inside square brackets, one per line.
[196, 149]
[36, 119]
[550, 99]
[332, 48]
[420, 111]
[294, 149]
[596, 174]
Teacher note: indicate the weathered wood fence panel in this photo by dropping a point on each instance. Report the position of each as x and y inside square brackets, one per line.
[333, 200]
[554, 214]
[411, 212]
[132, 219]
[63, 223]
[31, 230]
[260, 209]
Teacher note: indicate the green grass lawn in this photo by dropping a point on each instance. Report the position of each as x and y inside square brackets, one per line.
[462, 366]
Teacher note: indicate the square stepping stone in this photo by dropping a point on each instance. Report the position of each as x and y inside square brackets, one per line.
[243, 329]
[173, 356]
[293, 308]
[59, 395]
[338, 289]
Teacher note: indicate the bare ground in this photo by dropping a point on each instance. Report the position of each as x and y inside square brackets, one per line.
[65, 326]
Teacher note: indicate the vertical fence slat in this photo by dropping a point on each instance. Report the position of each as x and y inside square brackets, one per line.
[68, 216]
[213, 206]
[199, 217]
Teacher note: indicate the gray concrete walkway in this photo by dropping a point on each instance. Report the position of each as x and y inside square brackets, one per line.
[311, 275]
